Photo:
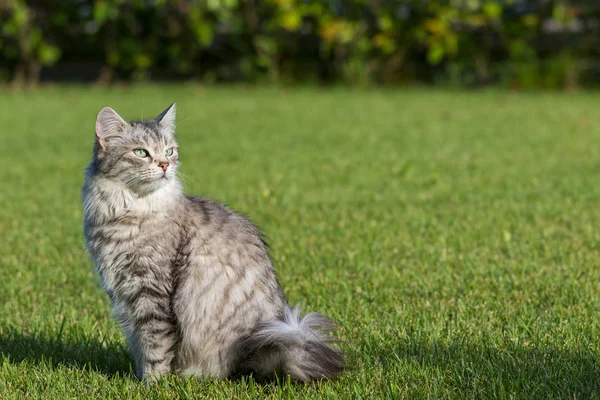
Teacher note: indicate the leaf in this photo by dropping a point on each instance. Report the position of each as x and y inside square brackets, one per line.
[100, 12]
[19, 16]
[530, 20]
[385, 23]
[329, 31]
[10, 29]
[476, 20]
[435, 26]
[266, 44]
[204, 33]
[385, 43]
[142, 60]
[451, 43]
[291, 20]
[346, 32]
[559, 12]
[48, 54]
[436, 53]
[213, 5]
[113, 57]
[35, 37]
[492, 9]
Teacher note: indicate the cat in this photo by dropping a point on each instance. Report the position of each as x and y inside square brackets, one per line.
[189, 279]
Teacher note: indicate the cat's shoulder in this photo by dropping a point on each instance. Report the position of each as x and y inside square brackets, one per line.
[222, 220]
[215, 211]
[205, 205]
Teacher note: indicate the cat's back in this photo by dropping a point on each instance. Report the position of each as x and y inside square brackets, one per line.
[226, 250]
[226, 278]
[218, 221]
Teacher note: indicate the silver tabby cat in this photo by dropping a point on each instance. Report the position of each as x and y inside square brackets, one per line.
[189, 279]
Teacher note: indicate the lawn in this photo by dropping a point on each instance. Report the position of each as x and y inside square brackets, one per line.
[454, 236]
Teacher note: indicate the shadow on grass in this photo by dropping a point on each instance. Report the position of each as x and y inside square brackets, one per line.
[510, 371]
[109, 359]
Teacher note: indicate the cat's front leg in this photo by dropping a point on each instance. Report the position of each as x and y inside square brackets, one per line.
[152, 337]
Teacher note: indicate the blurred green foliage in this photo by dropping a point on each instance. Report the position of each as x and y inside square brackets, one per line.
[518, 43]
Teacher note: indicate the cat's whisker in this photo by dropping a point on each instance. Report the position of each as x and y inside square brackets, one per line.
[185, 178]
[131, 182]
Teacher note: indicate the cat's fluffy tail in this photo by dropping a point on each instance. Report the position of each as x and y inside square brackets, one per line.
[296, 346]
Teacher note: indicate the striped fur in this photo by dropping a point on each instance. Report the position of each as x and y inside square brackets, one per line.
[190, 280]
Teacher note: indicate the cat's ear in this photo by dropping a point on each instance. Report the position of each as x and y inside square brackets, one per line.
[166, 119]
[108, 123]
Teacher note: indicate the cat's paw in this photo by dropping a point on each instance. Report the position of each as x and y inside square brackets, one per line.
[151, 379]
[152, 375]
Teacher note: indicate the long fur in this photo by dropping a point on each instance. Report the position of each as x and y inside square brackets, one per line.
[190, 280]
[294, 345]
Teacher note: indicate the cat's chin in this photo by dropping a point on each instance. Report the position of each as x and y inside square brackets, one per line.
[160, 184]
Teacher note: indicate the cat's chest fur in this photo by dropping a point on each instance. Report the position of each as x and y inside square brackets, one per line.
[133, 244]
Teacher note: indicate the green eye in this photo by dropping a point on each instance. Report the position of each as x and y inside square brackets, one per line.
[169, 152]
[140, 153]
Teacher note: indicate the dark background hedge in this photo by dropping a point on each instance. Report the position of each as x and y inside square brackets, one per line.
[519, 43]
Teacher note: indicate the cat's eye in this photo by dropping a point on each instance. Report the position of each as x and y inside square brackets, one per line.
[140, 153]
[169, 152]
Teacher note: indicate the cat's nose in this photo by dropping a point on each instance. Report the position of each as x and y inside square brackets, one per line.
[164, 165]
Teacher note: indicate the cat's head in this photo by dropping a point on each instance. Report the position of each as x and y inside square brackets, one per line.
[140, 155]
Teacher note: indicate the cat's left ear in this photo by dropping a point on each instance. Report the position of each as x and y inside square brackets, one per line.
[108, 123]
[166, 119]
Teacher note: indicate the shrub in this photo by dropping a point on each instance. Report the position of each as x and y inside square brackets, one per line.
[549, 43]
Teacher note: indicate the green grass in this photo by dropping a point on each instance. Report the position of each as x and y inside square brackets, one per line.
[453, 236]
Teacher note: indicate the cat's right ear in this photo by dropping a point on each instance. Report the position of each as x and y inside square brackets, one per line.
[108, 123]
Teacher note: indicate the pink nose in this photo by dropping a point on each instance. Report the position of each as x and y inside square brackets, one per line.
[163, 165]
